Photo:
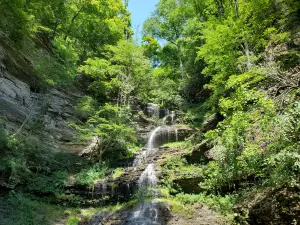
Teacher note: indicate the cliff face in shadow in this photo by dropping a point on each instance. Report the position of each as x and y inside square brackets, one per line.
[30, 109]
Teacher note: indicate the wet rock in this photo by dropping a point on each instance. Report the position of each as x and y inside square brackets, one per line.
[97, 219]
[154, 213]
[152, 110]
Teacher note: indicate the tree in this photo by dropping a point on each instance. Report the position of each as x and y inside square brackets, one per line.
[124, 73]
[167, 23]
[111, 127]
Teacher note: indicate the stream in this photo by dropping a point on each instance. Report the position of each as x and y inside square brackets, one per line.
[147, 211]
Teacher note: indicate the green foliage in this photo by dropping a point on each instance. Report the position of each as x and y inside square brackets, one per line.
[222, 204]
[117, 173]
[46, 184]
[113, 129]
[165, 90]
[89, 176]
[72, 220]
[225, 51]
[255, 144]
[51, 70]
[124, 72]
[27, 163]
[180, 144]
[17, 209]
[209, 57]
[86, 106]
[14, 21]
[62, 34]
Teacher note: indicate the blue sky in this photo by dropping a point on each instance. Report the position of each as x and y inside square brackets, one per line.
[140, 11]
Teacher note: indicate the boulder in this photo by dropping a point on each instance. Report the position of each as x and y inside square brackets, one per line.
[212, 122]
[189, 185]
[199, 154]
[277, 207]
[151, 110]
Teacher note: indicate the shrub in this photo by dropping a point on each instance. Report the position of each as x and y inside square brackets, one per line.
[17, 209]
[89, 175]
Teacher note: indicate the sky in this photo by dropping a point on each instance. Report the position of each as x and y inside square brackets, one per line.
[140, 11]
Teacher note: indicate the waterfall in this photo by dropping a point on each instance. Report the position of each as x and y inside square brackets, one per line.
[165, 119]
[172, 117]
[147, 212]
[148, 177]
[151, 141]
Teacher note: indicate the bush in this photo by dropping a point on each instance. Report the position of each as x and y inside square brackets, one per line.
[90, 175]
[117, 173]
[255, 144]
[17, 209]
[27, 163]
[222, 204]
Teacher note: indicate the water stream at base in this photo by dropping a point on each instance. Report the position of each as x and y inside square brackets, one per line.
[147, 213]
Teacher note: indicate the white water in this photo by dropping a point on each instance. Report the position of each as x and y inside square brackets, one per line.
[172, 117]
[152, 137]
[148, 177]
[165, 119]
[148, 212]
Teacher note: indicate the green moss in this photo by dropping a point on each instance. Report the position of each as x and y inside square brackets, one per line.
[183, 146]
[117, 173]
[175, 144]
[177, 207]
[177, 167]
[72, 220]
[88, 213]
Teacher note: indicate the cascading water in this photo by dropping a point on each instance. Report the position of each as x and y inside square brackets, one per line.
[151, 142]
[148, 177]
[165, 119]
[147, 213]
[172, 116]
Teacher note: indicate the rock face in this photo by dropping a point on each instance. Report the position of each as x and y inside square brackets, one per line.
[153, 110]
[189, 185]
[200, 215]
[278, 206]
[28, 110]
[211, 123]
[125, 217]
[199, 154]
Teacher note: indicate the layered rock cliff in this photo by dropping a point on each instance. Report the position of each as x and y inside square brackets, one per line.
[29, 108]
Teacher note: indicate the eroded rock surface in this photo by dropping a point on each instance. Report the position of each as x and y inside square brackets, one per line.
[200, 215]
[277, 206]
[32, 110]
